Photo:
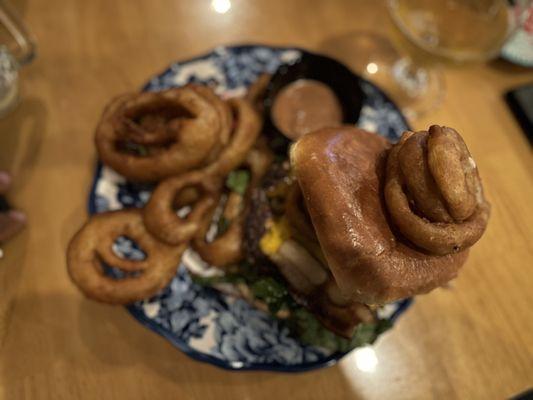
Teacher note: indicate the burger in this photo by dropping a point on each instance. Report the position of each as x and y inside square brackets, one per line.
[350, 222]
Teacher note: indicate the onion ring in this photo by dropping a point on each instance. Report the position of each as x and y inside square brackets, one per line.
[160, 217]
[224, 114]
[227, 248]
[420, 184]
[447, 156]
[258, 160]
[248, 126]
[92, 245]
[454, 171]
[257, 91]
[183, 124]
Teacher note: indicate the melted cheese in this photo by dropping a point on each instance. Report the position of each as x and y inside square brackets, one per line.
[277, 232]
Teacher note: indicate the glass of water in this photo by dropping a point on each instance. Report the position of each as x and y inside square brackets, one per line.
[17, 48]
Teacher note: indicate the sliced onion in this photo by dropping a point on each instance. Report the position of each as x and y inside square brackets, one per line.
[296, 279]
[300, 258]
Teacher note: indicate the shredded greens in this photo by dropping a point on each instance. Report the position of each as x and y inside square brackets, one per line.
[302, 323]
[311, 331]
[272, 292]
[237, 181]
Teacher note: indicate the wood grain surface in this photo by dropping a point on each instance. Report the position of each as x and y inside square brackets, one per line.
[473, 341]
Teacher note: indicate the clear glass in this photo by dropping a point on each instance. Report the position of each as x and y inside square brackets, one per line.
[8, 81]
[425, 35]
[17, 48]
[461, 30]
[22, 46]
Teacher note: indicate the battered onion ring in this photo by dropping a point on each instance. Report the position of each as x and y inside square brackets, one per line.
[92, 245]
[248, 126]
[224, 114]
[183, 124]
[160, 217]
[258, 160]
[257, 90]
[447, 156]
[454, 171]
[227, 248]
[245, 132]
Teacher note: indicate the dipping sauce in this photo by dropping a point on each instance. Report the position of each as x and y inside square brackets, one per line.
[305, 105]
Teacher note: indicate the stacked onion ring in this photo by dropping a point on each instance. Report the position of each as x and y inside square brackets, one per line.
[433, 191]
[149, 136]
[188, 140]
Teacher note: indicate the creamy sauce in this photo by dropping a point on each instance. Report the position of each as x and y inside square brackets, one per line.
[304, 106]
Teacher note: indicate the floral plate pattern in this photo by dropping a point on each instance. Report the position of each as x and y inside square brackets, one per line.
[203, 323]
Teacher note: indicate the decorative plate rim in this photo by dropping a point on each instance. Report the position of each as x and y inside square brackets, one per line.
[182, 345]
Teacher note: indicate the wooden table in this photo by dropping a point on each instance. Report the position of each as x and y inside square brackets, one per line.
[474, 341]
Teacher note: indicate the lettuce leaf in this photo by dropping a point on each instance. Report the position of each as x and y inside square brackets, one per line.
[301, 322]
[237, 181]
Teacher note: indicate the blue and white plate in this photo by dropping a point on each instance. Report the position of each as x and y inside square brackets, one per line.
[203, 323]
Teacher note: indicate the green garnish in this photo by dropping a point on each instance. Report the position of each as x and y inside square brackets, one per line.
[237, 181]
[213, 280]
[137, 149]
[205, 281]
[311, 331]
[302, 323]
[142, 150]
[272, 292]
[222, 225]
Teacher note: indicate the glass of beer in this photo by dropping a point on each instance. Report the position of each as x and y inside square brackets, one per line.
[431, 33]
[460, 30]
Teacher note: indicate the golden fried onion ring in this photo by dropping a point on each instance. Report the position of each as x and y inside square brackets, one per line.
[227, 248]
[245, 133]
[224, 114]
[92, 245]
[183, 125]
[257, 91]
[160, 217]
[433, 191]
[159, 214]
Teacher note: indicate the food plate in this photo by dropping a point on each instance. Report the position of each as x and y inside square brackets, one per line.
[204, 324]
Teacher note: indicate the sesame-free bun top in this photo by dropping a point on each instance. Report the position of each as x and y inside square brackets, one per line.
[341, 172]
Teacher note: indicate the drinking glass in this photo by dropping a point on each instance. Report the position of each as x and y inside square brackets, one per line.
[17, 48]
[424, 36]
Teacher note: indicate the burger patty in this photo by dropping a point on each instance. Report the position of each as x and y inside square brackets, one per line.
[260, 212]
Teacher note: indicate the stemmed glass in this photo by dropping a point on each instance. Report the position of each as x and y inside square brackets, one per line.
[17, 48]
[424, 35]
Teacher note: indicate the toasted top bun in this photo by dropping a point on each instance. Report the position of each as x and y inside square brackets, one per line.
[341, 172]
